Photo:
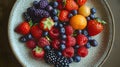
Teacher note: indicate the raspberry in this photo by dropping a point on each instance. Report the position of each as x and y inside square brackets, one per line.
[68, 30]
[36, 32]
[68, 52]
[55, 44]
[42, 42]
[81, 39]
[54, 33]
[62, 62]
[82, 51]
[70, 41]
[50, 57]
[42, 3]
[31, 44]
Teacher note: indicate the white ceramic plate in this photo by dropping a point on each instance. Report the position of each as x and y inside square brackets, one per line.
[96, 56]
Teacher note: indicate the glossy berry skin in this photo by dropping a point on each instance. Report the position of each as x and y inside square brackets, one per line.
[47, 48]
[79, 31]
[70, 60]
[45, 33]
[56, 24]
[63, 36]
[68, 52]
[93, 10]
[76, 46]
[38, 52]
[88, 45]
[55, 4]
[88, 18]
[29, 36]
[59, 53]
[94, 27]
[63, 16]
[92, 16]
[23, 39]
[62, 46]
[62, 30]
[49, 8]
[82, 51]
[60, 25]
[81, 2]
[74, 12]
[85, 32]
[23, 28]
[54, 12]
[55, 18]
[70, 15]
[63, 41]
[31, 44]
[81, 39]
[76, 58]
[93, 43]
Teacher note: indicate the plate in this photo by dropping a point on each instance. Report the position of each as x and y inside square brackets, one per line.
[97, 55]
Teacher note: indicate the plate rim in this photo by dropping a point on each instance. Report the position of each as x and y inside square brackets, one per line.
[104, 57]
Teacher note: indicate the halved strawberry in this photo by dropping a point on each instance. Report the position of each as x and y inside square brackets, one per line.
[23, 28]
[63, 16]
[46, 24]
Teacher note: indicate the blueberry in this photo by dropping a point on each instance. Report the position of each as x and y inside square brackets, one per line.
[70, 60]
[62, 46]
[93, 10]
[56, 24]
[63, 36]
[35, 3]
[74, 12]
[55, 4]
[76, 58]
[89, 38]
[62, 30]
[65, 23]
[88, 45]
[60, 25]
[93, 43]
[59, 53]
[88, 18]
[47, 48]
[23, 39]
[92, 16]
[54, 12]
[55, 18]
[63, 41]
[49, 8]
[79, 31]
[85, 32]
[45, 33]
[70, 15]
[28, 37]
[76, 46]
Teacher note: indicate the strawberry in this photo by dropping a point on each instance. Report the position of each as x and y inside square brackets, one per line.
[94, 27]
[23, 28]
[46, 24]
[81, 2]
[83, 51]
[70, 5]
[68, 52]
[55, 44]
[38, 52]
[31, 44]
[63, 16]
[70, 41]
[81, 39]
[36, 32]
[42, 42]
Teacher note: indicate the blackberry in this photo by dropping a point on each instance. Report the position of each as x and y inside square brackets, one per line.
[50, 57]
[26, 16]
[43, 3]
[62, 62]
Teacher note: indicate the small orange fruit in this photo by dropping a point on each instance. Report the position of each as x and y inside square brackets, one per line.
[78, 22]
[84, 10]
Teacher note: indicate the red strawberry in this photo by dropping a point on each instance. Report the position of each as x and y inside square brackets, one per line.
[55, 44]
[82, 51]
[63, 16]
[81, 2]
[31, 44]
[70, 41]
[36, 32]
[71, 5]
[23, 28]
[42, 42]
[38, 52]
[94, 27]
[46, 24]
[68, 52]
[69, 30]
[54, 33]
[81, 39]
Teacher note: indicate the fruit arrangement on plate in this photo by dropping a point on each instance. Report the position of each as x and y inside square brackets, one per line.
[60, 31]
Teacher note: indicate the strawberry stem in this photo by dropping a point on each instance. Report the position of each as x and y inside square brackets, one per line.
[100, 20]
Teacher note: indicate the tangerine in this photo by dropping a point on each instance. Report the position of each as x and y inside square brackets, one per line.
[78, 22]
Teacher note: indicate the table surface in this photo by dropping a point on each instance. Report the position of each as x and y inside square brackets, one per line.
[7, 58]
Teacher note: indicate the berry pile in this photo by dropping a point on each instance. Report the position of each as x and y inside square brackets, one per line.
[60, 31]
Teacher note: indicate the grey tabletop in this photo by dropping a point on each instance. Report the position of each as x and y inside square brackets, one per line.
[7, 58]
